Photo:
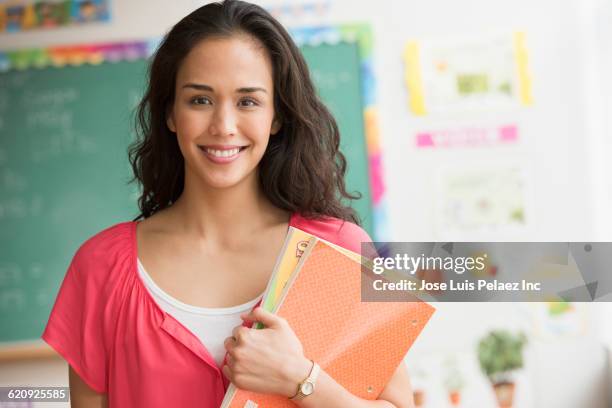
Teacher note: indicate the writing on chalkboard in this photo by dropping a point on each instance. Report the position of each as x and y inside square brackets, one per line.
[18, 79]
[4, 99]
[21, 207]
[50, 123]
[3, 106]
[49, 119]
[49, 97]
[10, 274]
[13, 295]
[54, 145]
[63, 169]
[15, 299]
[12, 299]
[11, 180]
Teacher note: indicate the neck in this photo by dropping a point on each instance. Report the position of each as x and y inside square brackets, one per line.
[224, 214]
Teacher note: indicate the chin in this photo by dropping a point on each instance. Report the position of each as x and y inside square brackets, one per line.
[223, 182]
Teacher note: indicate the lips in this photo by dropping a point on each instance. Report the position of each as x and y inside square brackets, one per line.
[222, 153]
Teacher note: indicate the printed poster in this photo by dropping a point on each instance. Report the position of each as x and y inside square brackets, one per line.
[481, 200]
[26, 15]
[466, 75]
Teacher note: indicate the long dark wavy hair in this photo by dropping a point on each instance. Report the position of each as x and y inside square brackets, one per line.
[302, 169]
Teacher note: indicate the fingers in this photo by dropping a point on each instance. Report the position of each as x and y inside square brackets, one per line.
[240, 334]
[230, 344]
[259, 314]
[227, 373]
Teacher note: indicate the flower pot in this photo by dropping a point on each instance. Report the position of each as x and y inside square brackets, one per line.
[455, 397]
[504, 392]
[419, 397]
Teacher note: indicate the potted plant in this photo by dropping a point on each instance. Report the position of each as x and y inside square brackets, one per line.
[453, 381]
[418, 386]
[500, 354]
[419, 397]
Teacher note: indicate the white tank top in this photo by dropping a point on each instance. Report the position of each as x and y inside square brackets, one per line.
[211, 325]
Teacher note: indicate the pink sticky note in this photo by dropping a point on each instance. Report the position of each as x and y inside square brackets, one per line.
[424, 140]
[508, 133]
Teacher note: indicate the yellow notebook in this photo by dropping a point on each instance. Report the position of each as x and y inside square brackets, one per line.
[295, 245]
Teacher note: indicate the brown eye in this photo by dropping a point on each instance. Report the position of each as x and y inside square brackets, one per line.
[247, 103]
[200, 100]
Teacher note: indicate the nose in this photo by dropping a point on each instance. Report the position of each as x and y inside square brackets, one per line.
[223, 121]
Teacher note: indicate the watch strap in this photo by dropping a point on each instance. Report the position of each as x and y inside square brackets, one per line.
[312, 378]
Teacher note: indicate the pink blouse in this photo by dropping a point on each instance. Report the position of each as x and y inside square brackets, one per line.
[110, 330]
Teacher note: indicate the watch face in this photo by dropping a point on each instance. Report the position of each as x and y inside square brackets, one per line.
[307, 388]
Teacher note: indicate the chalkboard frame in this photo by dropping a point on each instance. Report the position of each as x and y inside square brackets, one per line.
[362, 35]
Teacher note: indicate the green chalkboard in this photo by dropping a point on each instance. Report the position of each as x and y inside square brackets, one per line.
[336, 72]
[64, 134]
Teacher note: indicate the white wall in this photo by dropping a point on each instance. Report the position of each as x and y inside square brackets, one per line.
[565, 146]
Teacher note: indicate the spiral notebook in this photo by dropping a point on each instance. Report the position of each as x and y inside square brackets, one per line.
[360, 344]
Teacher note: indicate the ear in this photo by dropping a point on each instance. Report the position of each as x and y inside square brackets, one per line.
[170, 120]
[276, 126]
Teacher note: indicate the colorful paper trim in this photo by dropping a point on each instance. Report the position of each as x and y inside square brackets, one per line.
[472, 136]
[362, 35]
[76, 55]
[299, 10]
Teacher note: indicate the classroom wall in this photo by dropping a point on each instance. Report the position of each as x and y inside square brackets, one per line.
[51, 372]
[564, 148]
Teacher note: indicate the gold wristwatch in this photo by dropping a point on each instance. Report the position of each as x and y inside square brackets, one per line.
[306, 387]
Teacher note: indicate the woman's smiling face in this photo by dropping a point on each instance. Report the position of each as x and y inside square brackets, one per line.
[223, 111]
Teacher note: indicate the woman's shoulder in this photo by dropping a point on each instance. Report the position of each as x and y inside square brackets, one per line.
[108, 248]
[83, 321]
[337, 231]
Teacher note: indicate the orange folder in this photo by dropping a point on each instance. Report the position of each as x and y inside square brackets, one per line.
[359, 344]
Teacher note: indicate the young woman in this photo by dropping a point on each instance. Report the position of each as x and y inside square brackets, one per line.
[235, 147]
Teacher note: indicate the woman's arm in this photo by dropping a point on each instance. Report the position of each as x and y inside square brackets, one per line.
[399, 390]
[329, 394]
[81, 395]
[271, 360]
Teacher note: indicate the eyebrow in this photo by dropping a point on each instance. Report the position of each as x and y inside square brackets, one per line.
[202, 87]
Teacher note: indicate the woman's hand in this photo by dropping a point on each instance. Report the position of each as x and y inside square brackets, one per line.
[269, 360]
